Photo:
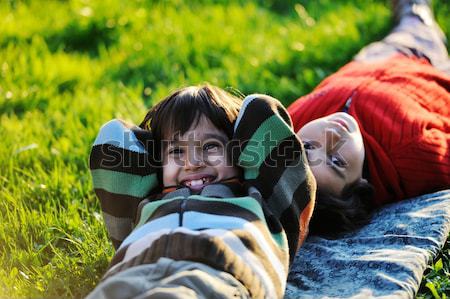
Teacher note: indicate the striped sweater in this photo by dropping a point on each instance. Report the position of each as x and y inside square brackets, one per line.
[249, 229]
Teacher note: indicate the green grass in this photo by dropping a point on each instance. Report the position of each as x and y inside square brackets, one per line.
[66, 67]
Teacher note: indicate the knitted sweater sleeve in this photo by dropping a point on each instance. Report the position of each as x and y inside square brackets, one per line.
[123, 173]
[274, 163]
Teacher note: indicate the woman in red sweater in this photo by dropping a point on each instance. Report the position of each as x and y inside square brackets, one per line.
[384, 119]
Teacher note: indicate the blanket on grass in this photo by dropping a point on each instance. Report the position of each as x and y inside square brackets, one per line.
[385, 259]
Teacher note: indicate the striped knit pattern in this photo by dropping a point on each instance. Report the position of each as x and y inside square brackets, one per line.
[232, 231]
[122, 174]
[402, 106]
[249, 234]
[274, 162]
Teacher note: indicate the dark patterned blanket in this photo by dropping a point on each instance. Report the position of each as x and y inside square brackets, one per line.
[385, 259]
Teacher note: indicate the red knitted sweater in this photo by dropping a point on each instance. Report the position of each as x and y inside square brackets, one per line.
[402, 106]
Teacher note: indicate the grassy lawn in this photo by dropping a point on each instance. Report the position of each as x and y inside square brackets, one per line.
[66, 67]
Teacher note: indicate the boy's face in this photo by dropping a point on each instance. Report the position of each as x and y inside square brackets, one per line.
[197, 158]
[335, 151]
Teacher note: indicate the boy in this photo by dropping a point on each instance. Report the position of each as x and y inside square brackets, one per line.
[210, 198]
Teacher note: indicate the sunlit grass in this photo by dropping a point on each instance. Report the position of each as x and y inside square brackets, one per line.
[66, 67]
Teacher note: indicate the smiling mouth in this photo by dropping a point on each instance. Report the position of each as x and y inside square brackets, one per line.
[198, 184]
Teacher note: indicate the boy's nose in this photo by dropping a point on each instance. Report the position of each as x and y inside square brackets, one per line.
[194, 160]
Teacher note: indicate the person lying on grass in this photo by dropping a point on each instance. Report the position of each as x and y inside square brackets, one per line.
[378, 130]
[209, 198]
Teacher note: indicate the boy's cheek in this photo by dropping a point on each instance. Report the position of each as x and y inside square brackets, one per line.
[169, 172]
[215, 160]
[233, 171]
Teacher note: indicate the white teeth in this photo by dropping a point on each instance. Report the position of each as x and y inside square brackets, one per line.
[196, 182]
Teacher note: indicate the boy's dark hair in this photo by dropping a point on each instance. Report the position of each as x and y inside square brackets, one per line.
[334, 215]
[184, 108]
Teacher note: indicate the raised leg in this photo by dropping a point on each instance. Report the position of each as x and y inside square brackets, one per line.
[416, 34]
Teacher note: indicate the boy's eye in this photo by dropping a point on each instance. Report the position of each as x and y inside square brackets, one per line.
[210, 146]
[175, 151]
[337, 161]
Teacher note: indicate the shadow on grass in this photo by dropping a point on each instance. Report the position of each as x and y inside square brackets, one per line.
[87, 38]
[76, 36]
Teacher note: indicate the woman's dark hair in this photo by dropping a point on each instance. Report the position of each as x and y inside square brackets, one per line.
[334, 215]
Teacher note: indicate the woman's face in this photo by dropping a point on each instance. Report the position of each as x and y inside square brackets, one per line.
[335, 151]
